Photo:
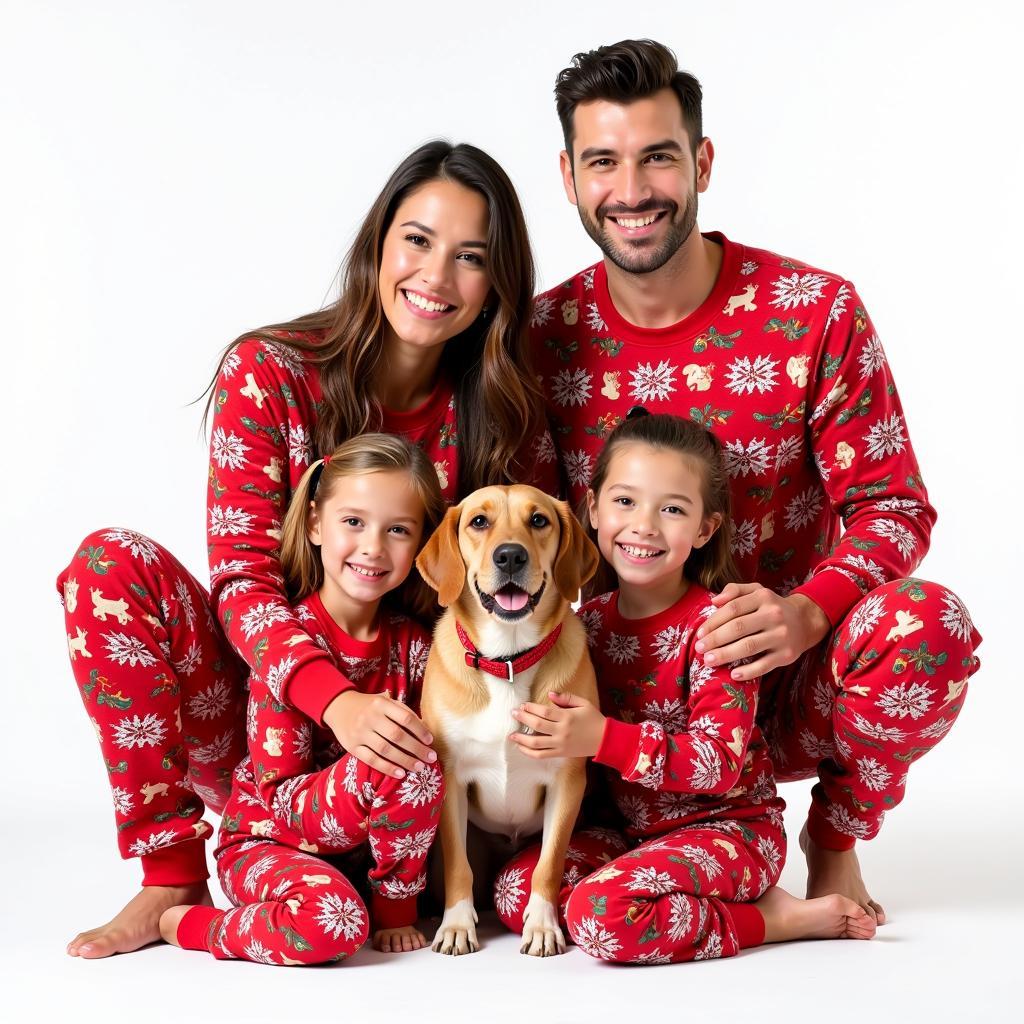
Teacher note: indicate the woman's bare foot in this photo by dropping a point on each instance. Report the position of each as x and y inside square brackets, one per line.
[826, 917]
[836, 871]
[139, 923]
[398, 940]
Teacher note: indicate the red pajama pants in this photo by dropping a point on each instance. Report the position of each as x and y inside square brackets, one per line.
[681, 896]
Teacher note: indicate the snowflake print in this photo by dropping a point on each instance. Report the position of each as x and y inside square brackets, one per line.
[652, 383]
[594, 321]
[843, 821]
[300, 445]
[133, 732]
[742, 459]
[138, 545]
[748, 267]
[699, 674]
[302, 745]
[650, 880]
[257, 870]
[913, 699]
[192, 660]
[955, 617]
[571, 387]
[332, 833]
[838, 305]
[215, 750]
[349, 781]
[706, 861]
[229, 522]
[357, 668]
[261, 617]
[873, 775]
[788, 451]
[211, 702]
[185, 600]
[804, 508]
[127, 650]
[413, 845]
[420, 788]
[591, 621]
[542, 308]
[579, 467]
[867, 565]
[885, 437]
[670, 714]
[798, 290]
[277, 674]
[281, 805]
[396, 889]
[744, 537]
[593, 938]
[711, 950]
[823, 698]
[815, 746]
[680, 915]
[867, 616]
[908, 506]
[622, 649]
[904, 541]
[707, 765]
[667, 644]
[228, 450]
[232, 361]
[890, 734]
[674, 805]
[419, 651]
[588, 279]
[871, 358]
[226, 566]
[634, 810]
[746, 377]
[242, 586]
[247, 917]
[286, 357]
[156, 841]
[123, 801]
[937, 729]
[259, 954]
[769, 849]
[544, 448]
[509, 891]
[340, 916]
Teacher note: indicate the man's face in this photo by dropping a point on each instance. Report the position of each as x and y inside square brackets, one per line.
[634, 179]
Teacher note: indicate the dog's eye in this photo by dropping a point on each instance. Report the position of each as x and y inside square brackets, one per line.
[538, 521]
[479, 522]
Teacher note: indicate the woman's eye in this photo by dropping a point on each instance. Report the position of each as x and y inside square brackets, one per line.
[538, 521]
[471, 257]
[416, 239]
[479, 522]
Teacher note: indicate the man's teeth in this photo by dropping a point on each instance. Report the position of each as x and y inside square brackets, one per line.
[636, 222]
[373, 573]
[430, 307]
[639, 552]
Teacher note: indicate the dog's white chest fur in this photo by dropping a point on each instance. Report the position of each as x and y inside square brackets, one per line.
[508, 787]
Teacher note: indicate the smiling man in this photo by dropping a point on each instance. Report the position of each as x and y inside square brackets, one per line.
[864, 670]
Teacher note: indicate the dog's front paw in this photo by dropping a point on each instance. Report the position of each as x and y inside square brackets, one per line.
[541, 934]
[457, 934]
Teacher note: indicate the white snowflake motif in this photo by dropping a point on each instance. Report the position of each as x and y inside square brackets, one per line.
[300, 444]
[798, 290]
[868, 565]
[867, 616]
[838, 304]
[544, 448]
[674, 805]
[211, 702]
[259, 954]
[413, 845]
[396, 889]
[908, 506]
[215, 750]
[667, 644]
[594, 939]
[588, 279]
[764, 788]
[340, 916]
[742, 459]
[788, 451]
[139, 546]
[769, 849]
[955, 617]
[591, 621]
[651, 383]
[670, 714]
[622, 649]
[419, 651]
[744, 537]
[814, 746]
[225, 566]
[331, 832]
[890, 734]
[650, 880]
[229, 522]
[228, 450]
[748, 267]
[232, 361]
[850, 825]
[277, 674]
[509, 891]
[542, 307]
[711, 950]
[185, 600]
[823, 698]
[873, 775]
[938, 728]
[156, 841]
[192, 660]
[123, 801]
[348, 782]
[885, 437]
[579, 467]
[634, 810]
[913, 699]
[281, 805]
[571, 387]
[707, 765]
[127, 650]
[257, 870]
[594, 321]
[699, 674]
[711, 727]
[140, 732]
[262, 616]
[247, 917]
[680, 915]
[357, 668]
[705, 860]
[804, 508]
[420, 788]
[746, 377]
[896, 533]
[871, 358]
[237, 587]
[302, 745]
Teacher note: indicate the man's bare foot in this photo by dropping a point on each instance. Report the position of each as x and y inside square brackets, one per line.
[398, 940]
[787, 918]
[169, 921]
[139, 923]
[836, 871]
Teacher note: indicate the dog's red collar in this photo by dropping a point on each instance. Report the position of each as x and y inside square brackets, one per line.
[512, 666]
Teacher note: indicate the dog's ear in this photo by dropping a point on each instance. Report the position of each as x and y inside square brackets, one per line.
[440, 562]
[577, 556]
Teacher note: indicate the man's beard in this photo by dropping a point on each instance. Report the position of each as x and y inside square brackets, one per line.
[640, 257]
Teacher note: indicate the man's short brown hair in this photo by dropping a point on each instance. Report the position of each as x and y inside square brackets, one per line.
[624, 72]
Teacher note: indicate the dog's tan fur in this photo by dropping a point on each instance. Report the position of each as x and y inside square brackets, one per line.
[464, 709]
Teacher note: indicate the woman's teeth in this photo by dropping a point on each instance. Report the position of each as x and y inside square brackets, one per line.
[430, 307]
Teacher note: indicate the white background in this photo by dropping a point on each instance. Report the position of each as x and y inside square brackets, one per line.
[175, 173]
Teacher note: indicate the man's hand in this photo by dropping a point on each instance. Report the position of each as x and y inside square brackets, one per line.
[753, 622]
[381, 732]
[568, 727]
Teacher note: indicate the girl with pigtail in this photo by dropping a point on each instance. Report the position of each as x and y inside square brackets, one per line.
[299, 800]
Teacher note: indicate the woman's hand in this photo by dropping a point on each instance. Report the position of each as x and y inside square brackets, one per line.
[568, 727]
[383, 733]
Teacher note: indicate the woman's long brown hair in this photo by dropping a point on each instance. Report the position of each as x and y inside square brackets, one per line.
[498, 402]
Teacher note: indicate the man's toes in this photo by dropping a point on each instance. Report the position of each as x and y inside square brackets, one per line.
[100, 946]
[878, 911]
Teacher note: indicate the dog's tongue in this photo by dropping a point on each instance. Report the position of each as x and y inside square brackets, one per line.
[511, 599]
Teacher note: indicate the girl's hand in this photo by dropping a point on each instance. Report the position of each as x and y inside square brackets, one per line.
[755, 623]
[572, 727]
[381, 732]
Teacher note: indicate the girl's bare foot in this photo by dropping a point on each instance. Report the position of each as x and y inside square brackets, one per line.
[836, 871]
[398, 940]
[826, 917]
[139, 923]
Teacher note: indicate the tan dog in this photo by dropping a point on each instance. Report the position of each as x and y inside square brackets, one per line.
[506, 563]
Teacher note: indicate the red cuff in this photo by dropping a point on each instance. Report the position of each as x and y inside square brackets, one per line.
[619, 744]
[387, 913]
[834, 593]
[180, 864]
[194, 927]
[821, 832]
[311, 687]
[747, 923]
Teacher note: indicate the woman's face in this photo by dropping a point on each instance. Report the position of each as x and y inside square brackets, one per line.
[433, 279]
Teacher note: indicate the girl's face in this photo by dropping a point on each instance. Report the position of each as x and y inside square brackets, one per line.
[369, 532]
[433, 279]
[649, 515]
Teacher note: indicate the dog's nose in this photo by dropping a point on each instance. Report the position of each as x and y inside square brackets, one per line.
[510, 558]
